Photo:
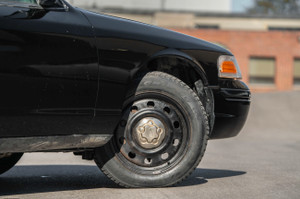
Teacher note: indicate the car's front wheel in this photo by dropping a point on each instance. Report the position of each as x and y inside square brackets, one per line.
[161, 137]
[8, 160]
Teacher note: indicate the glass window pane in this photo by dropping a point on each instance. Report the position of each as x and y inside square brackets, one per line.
[262, 70]
[297, 72]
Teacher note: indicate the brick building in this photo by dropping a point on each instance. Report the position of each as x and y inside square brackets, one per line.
[269, 60]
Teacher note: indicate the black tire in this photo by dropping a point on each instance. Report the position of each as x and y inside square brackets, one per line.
[178, 119]
[8, 161]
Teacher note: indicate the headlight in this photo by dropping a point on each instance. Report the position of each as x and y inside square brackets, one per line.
[228, 67]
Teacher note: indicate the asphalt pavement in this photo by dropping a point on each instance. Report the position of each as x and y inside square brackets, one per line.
[262, 162]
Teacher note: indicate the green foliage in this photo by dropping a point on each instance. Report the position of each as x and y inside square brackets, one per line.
[276, 7]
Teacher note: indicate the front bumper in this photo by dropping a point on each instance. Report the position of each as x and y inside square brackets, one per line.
[232, 102]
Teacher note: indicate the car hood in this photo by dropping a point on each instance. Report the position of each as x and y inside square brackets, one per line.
[111, 26]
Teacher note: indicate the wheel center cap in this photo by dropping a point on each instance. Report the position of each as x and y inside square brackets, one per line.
[150, 132]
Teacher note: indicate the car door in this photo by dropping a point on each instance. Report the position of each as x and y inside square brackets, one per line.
[48, 71]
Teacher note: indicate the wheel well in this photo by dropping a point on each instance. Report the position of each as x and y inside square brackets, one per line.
[178, 67]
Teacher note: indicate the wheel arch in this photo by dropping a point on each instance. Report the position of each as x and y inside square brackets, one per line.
[172, 61]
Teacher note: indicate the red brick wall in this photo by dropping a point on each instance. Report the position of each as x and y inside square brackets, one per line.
[284, 46]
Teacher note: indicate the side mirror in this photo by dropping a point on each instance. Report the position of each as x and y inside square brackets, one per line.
[55, 5]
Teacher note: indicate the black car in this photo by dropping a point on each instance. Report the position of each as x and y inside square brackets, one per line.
[140, 100]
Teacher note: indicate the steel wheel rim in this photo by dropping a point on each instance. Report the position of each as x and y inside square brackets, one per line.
[169, 152]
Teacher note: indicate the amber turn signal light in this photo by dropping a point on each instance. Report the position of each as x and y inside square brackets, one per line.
[228, 67]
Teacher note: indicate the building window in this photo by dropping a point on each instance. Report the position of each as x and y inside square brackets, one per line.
[297, 72]
[284, 29]
[207, 26]
[262, 70]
